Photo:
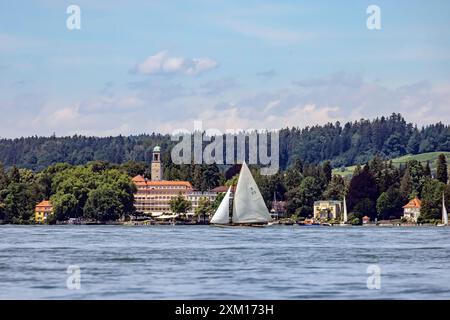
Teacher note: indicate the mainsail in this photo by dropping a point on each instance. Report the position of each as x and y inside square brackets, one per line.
[444, 212]
[248, 204]
[345, 211]
[222, 214]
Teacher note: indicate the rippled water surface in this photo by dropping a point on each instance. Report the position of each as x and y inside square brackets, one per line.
[203, 262]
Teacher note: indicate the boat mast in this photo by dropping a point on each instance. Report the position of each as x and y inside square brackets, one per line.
[230, 206]
[345, 211]
[444, 211]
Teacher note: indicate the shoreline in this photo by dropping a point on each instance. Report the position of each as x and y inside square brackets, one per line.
[152, 223]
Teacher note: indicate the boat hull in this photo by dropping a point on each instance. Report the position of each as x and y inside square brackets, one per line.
[234, 225]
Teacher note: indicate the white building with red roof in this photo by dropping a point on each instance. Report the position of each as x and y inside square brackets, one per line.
[411, 211]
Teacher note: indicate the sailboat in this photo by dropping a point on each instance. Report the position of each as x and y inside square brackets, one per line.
[444, 214]
[344, 222]
[245, 207]
[345, 211]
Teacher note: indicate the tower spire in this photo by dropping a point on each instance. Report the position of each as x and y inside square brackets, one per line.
[157, 172]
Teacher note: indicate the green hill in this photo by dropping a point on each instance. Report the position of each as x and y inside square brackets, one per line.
[422, 157]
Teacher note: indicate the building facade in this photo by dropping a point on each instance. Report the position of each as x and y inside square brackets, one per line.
[278, 209]
[195, 196]
[411, 211]
[42, 210]
[153, 197]
[327, 209]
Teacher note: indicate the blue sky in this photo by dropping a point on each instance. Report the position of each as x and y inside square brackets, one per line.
[144, 66]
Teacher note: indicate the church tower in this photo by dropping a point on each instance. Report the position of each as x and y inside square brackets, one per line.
[157, 172]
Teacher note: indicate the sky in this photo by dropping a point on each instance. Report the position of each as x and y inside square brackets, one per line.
[157, 66]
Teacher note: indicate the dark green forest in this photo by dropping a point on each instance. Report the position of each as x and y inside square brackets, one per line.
[343, 144]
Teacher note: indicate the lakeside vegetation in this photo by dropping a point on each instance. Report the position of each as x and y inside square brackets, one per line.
[95, 192]
[102, 190]
[98, 191]
[378, 189]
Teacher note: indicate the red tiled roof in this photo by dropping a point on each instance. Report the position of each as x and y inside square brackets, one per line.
[221, 189]
[141, 181]
[44, 203]
[414, 203]
[138, 178]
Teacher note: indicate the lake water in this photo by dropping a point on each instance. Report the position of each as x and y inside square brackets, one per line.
[203, 262]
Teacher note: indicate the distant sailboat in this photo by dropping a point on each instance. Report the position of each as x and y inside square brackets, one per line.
[444, 213]
[344, 221]
[222, 215]
[345, 211]
[248, 204]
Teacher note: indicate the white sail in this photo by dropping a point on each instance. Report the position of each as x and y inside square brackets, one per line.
[444, 211]
[222, 214]
[345, 211]
[248, 205]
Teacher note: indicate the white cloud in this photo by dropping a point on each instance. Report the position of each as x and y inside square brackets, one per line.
[163, 106]
[269, 117]
[63, 116]
[72, 119]
[163, 63]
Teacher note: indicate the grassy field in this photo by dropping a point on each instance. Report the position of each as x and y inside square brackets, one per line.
[423, 158]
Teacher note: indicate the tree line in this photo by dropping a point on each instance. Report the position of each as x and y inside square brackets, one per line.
[343, 144]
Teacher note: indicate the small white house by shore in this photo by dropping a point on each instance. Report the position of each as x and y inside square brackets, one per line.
[411, 211]
[327, 209]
